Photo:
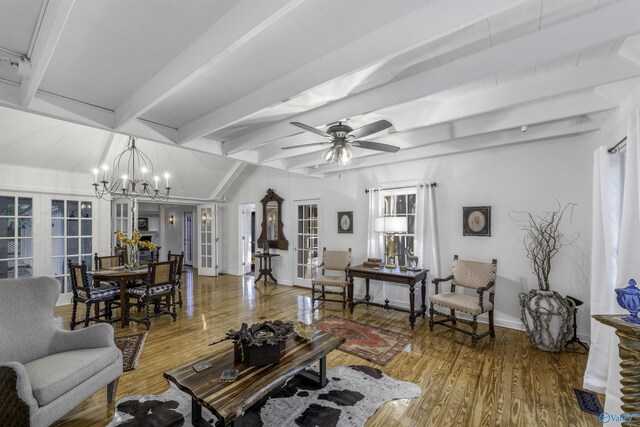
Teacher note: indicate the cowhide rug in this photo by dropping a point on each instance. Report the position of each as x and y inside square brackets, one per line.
[352, 395]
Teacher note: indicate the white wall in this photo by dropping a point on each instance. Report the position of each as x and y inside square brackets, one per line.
[522, 177]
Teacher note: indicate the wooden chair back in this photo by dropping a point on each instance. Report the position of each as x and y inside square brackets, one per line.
[79, 278]
[107, 261]
[179, 260]
[160, 273]
[473, 274]
[336, 260]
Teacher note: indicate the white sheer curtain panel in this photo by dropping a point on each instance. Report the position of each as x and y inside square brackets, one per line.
[375, 240]
[613, 265]
[426, 233]
[607, 209]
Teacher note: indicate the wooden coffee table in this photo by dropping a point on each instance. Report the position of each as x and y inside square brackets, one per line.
[228, 401]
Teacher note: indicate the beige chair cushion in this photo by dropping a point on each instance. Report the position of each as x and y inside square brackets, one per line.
[336, 260]
[465, 303]
[334, 281]
[473, 274]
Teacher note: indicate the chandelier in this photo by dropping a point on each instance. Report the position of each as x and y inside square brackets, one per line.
[339, 153]
[130, 177]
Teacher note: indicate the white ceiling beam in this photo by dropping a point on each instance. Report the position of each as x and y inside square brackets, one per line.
[512, 118]
[518, 115]
[53, 21]
[417, 28]
[465, 145]
[241, 24]
[57, 107]
[617, 21]
[239, 171]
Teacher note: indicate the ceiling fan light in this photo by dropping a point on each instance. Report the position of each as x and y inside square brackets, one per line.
[329, 155]
[344, 155]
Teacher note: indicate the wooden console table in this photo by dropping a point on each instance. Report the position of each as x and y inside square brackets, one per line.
[265, 267]
[409, 278]
[629, 350]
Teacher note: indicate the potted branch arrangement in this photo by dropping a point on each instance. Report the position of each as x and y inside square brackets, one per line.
[546, 314]
[261, 343]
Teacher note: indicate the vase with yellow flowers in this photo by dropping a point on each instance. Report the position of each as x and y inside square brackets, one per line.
[133, 245]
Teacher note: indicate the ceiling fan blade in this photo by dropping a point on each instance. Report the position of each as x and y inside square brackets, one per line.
[311, 129]
[371, 128]
[305, 145]
[370, 145]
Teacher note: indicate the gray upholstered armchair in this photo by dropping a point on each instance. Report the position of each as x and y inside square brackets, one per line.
[46, 371]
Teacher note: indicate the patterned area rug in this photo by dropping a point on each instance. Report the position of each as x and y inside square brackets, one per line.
[368, 342]
[131, 348]
[352, 395]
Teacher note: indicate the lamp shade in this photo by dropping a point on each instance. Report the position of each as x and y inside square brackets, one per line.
[390, 224]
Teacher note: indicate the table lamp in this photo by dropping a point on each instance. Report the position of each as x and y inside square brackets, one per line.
[390, 225]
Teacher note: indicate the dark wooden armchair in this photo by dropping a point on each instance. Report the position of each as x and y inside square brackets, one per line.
[479, 276]
[338, 262]
[179, 260]
[159, 289]
[89, 296]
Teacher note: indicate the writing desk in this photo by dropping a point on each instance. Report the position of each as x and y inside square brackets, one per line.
[409, 278]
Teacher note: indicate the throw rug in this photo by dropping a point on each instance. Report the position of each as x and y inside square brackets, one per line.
[351, 396]
[368, 342]
[131, 348]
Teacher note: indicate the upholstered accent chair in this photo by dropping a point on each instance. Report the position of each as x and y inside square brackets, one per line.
[336, 263]
[46, 371]
[89, 296]
[159, 289]
[479, 276]
[179, 260]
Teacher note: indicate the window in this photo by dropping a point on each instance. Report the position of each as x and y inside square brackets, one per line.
[16, 237]
[402, 203]
[71, 237]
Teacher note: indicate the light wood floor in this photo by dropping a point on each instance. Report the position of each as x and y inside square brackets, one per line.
[504, 382]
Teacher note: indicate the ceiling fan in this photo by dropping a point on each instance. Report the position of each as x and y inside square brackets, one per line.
[343, 136]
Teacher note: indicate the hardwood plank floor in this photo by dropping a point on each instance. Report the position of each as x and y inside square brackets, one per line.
[504, 382]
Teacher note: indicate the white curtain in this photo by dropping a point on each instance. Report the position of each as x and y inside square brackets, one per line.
[375, 240]
[426, 234]
[613, 265]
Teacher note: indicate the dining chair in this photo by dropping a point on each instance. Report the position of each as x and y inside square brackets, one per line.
[102, 262]
[159, 289]
[179, 259]
[89, 296]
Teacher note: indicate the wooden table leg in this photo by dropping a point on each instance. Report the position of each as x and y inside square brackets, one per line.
[350, 294]
[412, 305]
[321, 377]
[423, 288]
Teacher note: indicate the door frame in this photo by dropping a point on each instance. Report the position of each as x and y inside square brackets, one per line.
[188, 230]
[313, 200]
[244, 231]
[213, 270]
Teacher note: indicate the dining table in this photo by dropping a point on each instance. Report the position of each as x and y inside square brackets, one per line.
[123, 276]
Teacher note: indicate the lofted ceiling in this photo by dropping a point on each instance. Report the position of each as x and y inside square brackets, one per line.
[226, 77]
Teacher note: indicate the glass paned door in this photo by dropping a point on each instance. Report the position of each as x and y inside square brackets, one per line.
[307, 241]
[206, 254]
[16, 237]
[121, 214]
[71, 238]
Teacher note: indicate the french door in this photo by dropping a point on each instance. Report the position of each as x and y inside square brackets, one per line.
[307, 241]
[246, 236]
[207, 255]
[122, 214]
[188, 238]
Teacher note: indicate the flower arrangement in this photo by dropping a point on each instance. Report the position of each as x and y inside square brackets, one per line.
[135, 240]
[134, 244]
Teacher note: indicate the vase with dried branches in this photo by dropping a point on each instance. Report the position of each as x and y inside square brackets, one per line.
[546, 314]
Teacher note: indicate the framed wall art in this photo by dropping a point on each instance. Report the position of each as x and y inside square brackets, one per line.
[476, 221]
[345, 222]
[143, 224]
